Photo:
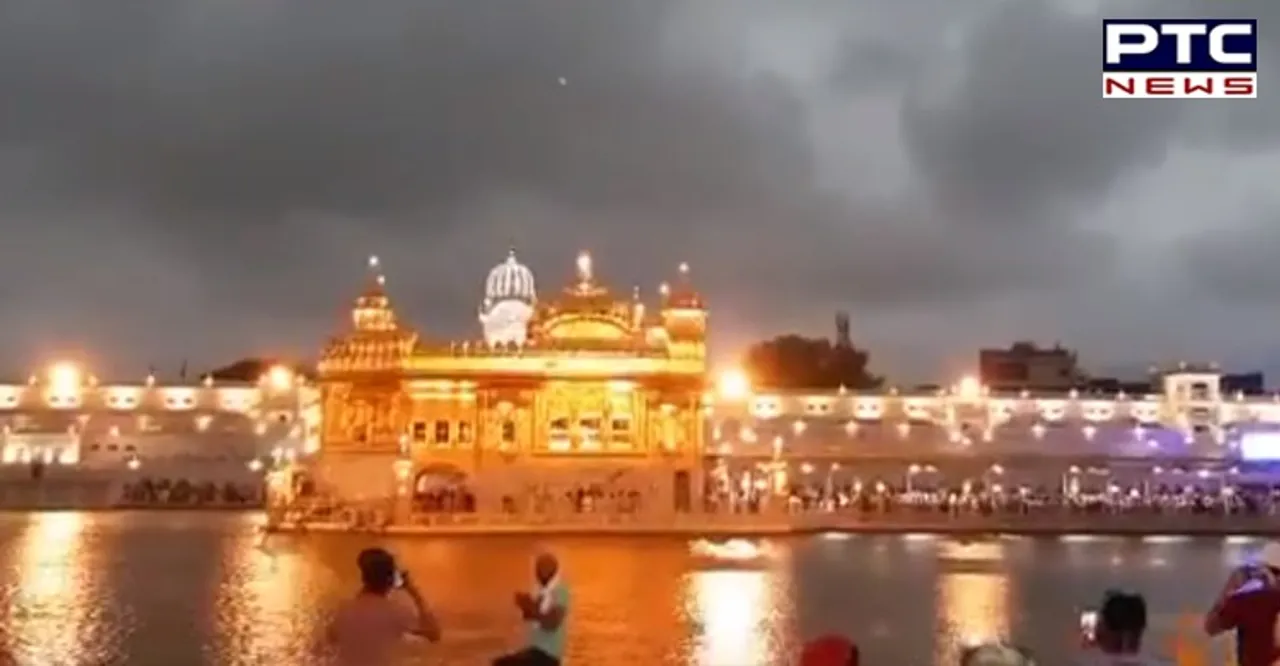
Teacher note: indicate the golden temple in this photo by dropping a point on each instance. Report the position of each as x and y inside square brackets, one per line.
[583, 388]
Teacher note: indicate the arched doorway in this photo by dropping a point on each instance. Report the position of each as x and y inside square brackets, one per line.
[302, 485]
[683, 491]
[442, 488]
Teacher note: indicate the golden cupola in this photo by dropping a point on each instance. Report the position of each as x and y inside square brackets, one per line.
[587, 315]
[682, 295]
[372, 311]
[683, 313]
[375, 340]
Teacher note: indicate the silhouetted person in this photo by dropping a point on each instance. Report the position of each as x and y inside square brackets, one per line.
[368, 629]
[1249, 603]
[1117, 640]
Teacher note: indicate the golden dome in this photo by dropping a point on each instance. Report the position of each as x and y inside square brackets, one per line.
[372, 310]
[586, 312]
[376, 342]
[682, 294]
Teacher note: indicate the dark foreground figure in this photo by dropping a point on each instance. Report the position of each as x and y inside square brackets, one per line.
[368, 629]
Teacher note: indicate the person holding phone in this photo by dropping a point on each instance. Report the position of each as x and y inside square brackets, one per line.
[369, 628]
[1117, 629]
[1249, 603]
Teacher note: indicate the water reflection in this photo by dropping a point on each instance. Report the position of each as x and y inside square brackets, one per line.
[204, 591]
[54, 615]
[264, 610]
[973, 596]
[732, 607]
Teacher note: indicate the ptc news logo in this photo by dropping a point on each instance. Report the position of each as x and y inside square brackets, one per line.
[1180, 58]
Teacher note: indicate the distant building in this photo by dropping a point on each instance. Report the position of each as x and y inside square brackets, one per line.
[1024, 365]
[1249, 383]
[1107, 385]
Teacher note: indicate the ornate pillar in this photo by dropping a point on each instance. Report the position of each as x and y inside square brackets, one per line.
[695, 458]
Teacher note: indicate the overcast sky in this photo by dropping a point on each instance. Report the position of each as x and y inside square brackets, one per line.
[188, 179]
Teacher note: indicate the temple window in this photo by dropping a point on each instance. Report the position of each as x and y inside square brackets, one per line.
[589, 433]
[464, 432]
[558, 435]
[442, 432]
[419, 431]
[620, 432]
[361, 434]
[508, 432]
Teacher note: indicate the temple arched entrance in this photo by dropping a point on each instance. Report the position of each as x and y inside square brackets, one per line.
[302, 485]
[443, 488]
[683, 491]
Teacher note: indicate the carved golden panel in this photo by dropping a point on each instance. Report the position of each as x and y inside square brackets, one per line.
[587, 328]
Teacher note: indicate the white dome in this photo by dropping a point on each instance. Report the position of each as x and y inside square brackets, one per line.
[510, 281]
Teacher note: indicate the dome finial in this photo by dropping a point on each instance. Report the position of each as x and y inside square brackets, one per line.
[584, 267]
[375, 271]
[684, 268]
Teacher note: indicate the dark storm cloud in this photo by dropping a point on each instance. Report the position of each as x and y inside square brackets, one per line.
[1236, 263]
[217, 171]
[1026, 130]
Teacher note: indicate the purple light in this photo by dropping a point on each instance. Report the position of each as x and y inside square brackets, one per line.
[1260, 446]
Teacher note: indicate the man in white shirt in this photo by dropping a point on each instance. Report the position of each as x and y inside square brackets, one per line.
[545, 611]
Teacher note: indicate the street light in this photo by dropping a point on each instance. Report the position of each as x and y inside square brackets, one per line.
[969, 388]
[733, 385]
[279, 378]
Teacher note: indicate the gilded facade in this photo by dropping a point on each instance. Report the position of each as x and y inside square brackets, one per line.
[587, 388]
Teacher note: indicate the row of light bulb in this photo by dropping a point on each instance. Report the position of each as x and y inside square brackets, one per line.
[748, 435]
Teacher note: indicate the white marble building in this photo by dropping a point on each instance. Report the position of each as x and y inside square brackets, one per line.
[1189, 425]
[68, 420]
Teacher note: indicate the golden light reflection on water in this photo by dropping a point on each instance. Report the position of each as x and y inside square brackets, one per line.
[973, 598]
[264, 611]
[742, 616]
[731, 609]
[50, 611]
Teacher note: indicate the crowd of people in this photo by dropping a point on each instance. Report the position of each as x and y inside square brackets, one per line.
[454, 498]
[994, 499]
[149, 492]
[366, 630]
[575, 498]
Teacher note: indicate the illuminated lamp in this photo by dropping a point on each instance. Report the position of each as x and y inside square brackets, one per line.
[279, 378]
[969, 388]
[65, 378]
[733, 385]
